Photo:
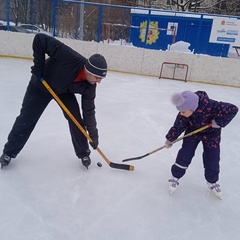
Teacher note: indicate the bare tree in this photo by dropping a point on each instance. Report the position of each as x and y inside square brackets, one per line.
[204, 6]
[19, 10]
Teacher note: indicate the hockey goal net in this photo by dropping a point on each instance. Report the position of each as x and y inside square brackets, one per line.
[172, 70]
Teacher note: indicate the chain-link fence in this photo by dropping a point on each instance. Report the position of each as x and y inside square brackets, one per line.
[86, 21]
[91, 21]
[116, 24]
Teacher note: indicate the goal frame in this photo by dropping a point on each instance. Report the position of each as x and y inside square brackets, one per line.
[175, 66]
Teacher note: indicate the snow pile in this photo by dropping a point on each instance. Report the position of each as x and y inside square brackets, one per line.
[180, 46]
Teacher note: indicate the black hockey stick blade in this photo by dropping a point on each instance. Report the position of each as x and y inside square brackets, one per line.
[135, 158]
[121, 166]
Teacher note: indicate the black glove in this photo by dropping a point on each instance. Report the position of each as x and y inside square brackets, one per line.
[38, 73]
[94, 142]
[93, 133]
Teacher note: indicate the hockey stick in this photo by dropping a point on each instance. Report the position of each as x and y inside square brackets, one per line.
[65, 109]
[177, 140]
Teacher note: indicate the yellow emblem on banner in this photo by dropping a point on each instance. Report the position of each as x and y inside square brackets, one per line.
[152, 32]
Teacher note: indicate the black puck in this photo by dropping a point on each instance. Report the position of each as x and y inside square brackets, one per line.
[99, 164]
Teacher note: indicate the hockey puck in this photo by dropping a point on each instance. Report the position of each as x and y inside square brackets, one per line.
[99, 164]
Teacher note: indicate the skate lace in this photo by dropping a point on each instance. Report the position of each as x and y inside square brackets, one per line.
[7, 158]
[216, 187]
[84, 159]
[173, 182]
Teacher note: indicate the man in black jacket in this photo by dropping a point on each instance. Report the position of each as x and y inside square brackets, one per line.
[67, 72]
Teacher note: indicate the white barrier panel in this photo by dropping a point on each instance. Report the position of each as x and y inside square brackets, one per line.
[128, 59]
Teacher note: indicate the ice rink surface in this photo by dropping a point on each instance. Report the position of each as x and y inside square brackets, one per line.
[46, 194]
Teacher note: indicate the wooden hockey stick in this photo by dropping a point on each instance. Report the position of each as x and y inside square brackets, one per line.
[65, 109]
[177, 140]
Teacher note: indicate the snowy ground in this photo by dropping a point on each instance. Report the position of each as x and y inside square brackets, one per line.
[45, 194]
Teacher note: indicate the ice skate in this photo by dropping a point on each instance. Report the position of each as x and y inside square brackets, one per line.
[86, 161]
[215, 188]
[173, 183]
[4, 160]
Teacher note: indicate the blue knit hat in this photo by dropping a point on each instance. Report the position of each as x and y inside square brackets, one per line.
[186, 100]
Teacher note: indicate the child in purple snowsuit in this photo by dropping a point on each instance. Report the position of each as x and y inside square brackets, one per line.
[195, 111]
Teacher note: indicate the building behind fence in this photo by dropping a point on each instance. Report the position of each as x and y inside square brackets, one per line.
[106, 23]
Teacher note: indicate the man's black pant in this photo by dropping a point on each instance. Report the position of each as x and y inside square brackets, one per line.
[34, 103]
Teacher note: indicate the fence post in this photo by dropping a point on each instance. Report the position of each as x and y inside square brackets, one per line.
[7, 13]
[81, 33]
[99, 24]
[54, 17]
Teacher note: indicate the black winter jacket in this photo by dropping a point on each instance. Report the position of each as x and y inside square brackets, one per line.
[62, 66]
[59, 71]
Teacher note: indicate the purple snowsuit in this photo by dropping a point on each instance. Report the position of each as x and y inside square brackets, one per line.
[207, 110]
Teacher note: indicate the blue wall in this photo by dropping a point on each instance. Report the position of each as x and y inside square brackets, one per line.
[192, 28]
